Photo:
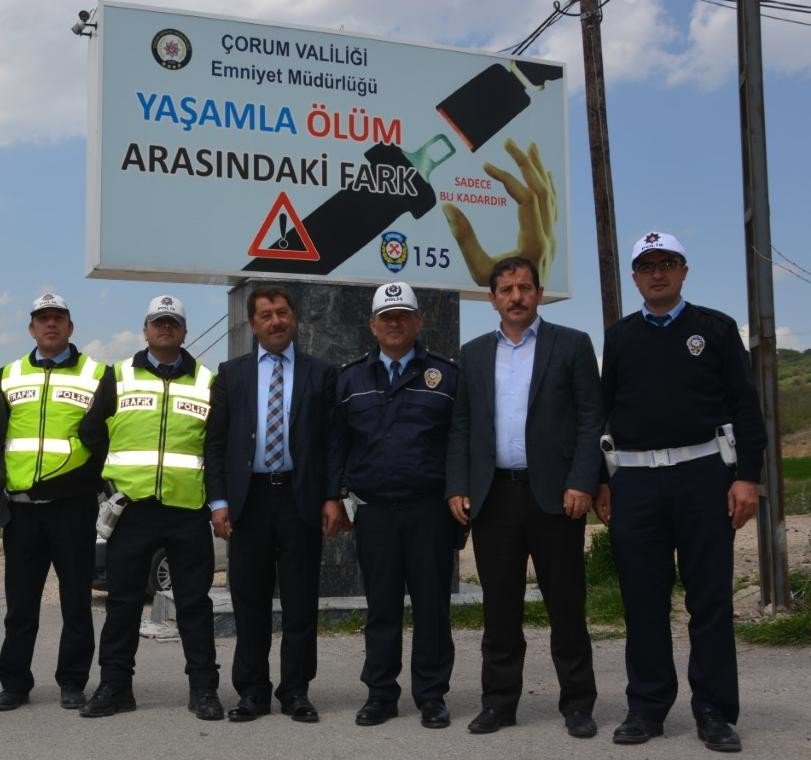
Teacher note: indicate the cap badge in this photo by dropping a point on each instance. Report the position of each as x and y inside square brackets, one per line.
[695, 344]
[433, 377]
[167, 301]
[653, 237]
[394, 291]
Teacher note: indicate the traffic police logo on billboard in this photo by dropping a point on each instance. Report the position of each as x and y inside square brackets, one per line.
[393, 251]
[695, 343]
[171, 49]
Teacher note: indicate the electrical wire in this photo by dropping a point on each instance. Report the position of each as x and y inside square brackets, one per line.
[206, 332]
[765, 15]
[211, 345]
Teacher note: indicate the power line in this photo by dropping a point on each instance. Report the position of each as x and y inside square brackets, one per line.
[206, 332]
[774, 263]
[211, 345]
[793, 263]
[766, 15]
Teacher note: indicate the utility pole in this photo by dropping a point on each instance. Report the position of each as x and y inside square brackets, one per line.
[590, 20]
[774, 588]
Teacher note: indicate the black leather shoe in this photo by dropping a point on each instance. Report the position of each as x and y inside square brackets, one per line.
[488, 721]
[71, 696]
[636, 730]
[375, 712]
[581, 725]
[205, 704]
[716, 733]
[108, 700]
[301, 709]
[435, 714]
[11, 700]
[248, 708]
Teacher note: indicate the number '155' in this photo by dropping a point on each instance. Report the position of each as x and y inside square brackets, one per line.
[431, 259]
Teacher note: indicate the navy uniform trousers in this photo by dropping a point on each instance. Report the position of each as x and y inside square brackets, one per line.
[143, 528]
[62, 532]
[406, 545]
[656, 512]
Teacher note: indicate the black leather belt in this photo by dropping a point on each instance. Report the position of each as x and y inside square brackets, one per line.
[518, 476]
[274, 478]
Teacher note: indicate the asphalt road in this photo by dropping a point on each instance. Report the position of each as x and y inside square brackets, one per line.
[775, 721]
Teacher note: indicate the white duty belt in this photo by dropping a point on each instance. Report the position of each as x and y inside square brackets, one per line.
[666, 457]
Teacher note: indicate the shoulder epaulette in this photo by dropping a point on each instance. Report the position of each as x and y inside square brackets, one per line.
[435, 355]
[360, 359]
[715, 314]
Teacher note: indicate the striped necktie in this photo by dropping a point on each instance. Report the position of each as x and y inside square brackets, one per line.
[660, 320]
[274, 435]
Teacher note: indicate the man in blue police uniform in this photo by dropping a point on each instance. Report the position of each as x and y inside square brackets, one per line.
[393, 414]
[680, 400]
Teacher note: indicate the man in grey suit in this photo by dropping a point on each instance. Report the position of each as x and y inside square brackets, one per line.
[523, 464]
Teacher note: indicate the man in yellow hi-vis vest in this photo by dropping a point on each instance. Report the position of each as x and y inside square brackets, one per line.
[150, 413]
[52, 481]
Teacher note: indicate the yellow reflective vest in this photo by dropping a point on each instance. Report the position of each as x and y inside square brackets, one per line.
[157, 435]
[45, 409]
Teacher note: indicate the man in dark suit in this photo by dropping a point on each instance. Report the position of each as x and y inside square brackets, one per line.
[271, 493]
[523, 463]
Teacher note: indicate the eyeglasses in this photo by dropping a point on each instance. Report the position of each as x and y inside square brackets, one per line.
[665, 265]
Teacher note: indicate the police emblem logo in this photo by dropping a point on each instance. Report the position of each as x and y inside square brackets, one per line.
[652, 237]
[695, 344]
[171, 49]
[47, 298]
[433, 377]
[167, 301]
[393, 250]
[394, 290]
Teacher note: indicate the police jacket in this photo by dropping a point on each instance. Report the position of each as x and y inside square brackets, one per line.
[391, 441]
[44, 406]
[155, 429]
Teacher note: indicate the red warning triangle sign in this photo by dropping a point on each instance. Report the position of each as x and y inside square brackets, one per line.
[293, 242]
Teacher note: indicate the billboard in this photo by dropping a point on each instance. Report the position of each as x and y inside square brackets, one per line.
[220, 149]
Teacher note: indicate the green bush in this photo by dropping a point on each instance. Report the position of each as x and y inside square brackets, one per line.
[600, 567]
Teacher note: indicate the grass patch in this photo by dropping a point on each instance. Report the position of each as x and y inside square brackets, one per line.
[797, 468]
[796, 497]
[788, 629]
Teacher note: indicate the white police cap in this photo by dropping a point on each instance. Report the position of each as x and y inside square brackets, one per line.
[394, 295]
[49, 301]
[166, 306]
[657, 241]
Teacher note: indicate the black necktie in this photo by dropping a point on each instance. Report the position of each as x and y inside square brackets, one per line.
[395, 372]
[47, 364]
[660, 320]
[165, 370]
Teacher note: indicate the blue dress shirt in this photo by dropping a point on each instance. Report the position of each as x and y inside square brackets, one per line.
[514, 362]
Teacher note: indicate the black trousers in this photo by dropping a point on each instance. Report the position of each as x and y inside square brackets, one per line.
[143, 528]
[407, 545]
[271, 541]
[61, 532]
[656, 512]
[510, 528]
